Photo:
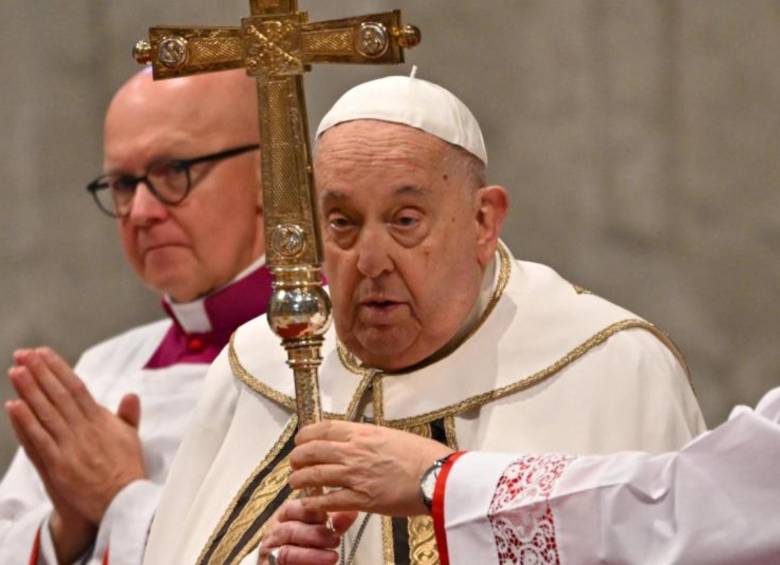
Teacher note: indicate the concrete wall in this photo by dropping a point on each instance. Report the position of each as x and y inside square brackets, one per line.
[638, 139]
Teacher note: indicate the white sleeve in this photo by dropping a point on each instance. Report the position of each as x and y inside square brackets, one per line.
[24, 507]
[125, 526]
[715, 501]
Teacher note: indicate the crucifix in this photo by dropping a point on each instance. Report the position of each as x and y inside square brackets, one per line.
[276, 44]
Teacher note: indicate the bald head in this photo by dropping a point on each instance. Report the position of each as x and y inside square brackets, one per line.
[191, 248]
[211, 106]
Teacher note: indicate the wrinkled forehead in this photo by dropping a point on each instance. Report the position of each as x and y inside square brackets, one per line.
[370, 163]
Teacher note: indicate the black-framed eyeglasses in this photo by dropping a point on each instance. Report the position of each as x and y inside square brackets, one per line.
[170, 181]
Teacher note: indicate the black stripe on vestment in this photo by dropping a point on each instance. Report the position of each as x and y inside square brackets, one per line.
[245, 497]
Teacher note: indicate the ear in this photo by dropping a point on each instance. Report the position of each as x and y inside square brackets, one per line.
[492, 204]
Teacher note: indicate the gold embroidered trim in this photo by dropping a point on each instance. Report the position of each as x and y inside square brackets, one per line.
[354, 365]
[352, 414]
[532, 380]
[378, 400]
[449, 432]
[261, 388]
[269, 488]
[245, 377]
[422, 541]
[387, 540]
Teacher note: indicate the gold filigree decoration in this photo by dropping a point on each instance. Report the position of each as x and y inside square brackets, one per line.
[449, 432]
[270, 49]
[422, 541]
[388, 551]
[261, 497]
[354, 365]
[328, 42]
[213, 50]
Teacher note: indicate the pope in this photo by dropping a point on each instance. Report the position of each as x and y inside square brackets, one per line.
[438, 331]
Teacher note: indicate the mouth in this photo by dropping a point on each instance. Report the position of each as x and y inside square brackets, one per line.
[158, 247]
[381, 312]
[380, 304]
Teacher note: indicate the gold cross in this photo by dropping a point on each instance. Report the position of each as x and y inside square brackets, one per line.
[276, 45]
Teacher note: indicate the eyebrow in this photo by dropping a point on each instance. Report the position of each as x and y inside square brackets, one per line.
[408, 189]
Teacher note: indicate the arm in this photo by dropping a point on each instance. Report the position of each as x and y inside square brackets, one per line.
[704, 504]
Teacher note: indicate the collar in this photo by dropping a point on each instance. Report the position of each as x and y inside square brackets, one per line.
[201, 328]
[226, 308]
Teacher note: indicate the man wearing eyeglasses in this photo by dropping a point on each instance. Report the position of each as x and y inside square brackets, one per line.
[181, 180]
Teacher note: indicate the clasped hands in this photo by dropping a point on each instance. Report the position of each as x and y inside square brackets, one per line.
[362, 468]
[84, 454]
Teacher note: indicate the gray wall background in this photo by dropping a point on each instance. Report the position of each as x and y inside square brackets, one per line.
[639, 140]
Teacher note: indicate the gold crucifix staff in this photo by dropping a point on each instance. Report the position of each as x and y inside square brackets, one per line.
[276, 45]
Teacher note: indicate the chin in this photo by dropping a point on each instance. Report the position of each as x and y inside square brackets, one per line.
[178, 287]
[381, 349]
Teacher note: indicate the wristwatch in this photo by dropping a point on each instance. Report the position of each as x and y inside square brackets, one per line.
[428, 481]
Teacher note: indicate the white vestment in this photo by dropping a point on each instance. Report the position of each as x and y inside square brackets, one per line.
[165, 364]
[715, 501]
[547, 366]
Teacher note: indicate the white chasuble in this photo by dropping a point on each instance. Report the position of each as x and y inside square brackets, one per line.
[716, 501]
[546, 367]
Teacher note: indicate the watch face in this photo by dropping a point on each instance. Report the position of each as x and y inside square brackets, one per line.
[428, 483]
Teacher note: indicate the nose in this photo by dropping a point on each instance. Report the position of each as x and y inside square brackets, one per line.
[145, 208]
[373, 249]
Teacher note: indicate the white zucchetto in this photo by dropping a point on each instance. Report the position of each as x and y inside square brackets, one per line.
[413, 102]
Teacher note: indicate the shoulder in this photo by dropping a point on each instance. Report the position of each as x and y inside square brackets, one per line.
[122, 348]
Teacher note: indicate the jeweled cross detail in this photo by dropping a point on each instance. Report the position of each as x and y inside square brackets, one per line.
[276, 44]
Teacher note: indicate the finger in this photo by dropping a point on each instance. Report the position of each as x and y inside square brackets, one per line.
[39, 446]
[291, 555]
[342, 521]
[51, 386]
[332, 430]
[338, 501]
[318, 451]
[302, 535]
[321, 476]
[45, 413]
[294, 511]
[130, 410]
[70, 380]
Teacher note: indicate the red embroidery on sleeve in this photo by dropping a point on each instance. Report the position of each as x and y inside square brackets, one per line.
[520, 513]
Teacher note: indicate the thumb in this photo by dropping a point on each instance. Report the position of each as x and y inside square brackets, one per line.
[130, 410]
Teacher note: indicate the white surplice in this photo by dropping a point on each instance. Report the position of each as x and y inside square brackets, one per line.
[548, 366]
[715, 501]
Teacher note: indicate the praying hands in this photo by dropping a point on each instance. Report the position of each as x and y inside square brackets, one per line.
[84, 454]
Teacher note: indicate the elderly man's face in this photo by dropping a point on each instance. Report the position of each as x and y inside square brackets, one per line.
[406, 239]
[199, 245]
